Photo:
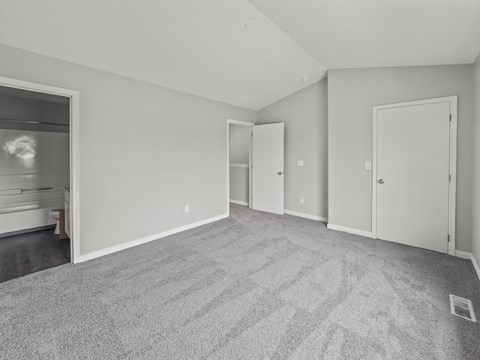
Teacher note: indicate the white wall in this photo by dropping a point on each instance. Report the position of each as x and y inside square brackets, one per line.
[305, 116]
[239, 142]
[351, 96]
[145, 150]
[476, 165]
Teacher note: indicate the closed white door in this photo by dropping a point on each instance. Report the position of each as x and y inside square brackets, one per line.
[413, 175]
[268, 162]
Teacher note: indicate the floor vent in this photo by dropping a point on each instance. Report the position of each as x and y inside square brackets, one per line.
[462, 307]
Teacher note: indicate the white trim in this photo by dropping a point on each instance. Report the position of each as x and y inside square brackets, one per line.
[306, 216]
[240, 123]
[453, 100]
[463, 254]
[238, 202]
[471, 257]
[349, 230]
[74, 97]
[475, 265]
[238, 165]
[133, 243]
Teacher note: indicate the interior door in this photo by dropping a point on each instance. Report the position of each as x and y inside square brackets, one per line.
[413, 175]
[268, 168]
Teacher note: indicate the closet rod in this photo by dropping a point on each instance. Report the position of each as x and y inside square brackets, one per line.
[31, 122]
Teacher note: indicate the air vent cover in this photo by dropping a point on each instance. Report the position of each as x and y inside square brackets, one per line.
[462, 307]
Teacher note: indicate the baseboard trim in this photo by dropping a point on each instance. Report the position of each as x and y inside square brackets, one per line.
[469, 256]
[130, 244]
[238, 202]
[306, 216]
[475, 265]
[463, 254]
[349, 230]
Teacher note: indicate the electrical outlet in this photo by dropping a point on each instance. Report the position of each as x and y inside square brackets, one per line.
[187, 208]
[302, 200]
[300, 163]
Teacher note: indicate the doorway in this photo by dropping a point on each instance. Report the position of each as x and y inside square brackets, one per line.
[239, 156]
[39, 222]
[255, 165]
[414, 173]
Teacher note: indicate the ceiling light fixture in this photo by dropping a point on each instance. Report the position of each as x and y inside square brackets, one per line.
[305, 77]
[250, 24]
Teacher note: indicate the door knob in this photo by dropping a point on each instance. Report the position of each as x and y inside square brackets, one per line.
[380, 181]
[280, 173]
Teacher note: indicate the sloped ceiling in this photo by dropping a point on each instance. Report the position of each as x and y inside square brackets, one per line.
[207, 48]
[194, 46]
[380, 33]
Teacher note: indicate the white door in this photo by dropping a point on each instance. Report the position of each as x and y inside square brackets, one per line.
[267, 162]
[413, 175]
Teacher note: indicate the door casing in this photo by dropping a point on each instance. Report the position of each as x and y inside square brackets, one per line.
[247, 124]
[74, 98]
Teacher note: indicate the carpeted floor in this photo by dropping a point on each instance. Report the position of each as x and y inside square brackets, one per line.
[253, 286]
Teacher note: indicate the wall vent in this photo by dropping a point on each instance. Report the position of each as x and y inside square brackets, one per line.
[462, 308]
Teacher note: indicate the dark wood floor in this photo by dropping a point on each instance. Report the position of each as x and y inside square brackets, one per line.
[31, 252]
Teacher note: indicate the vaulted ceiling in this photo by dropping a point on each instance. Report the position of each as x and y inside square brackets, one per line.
[246, 53]
[380, 33]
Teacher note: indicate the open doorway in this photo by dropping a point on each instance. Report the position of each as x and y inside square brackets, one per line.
[255, 165]
[239, 136]
[37, 178]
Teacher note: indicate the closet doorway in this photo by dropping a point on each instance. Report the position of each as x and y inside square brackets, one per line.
[39, 222]
[255, 165]
[239, 158]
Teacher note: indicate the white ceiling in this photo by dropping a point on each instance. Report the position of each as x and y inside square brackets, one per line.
[199, 47]
[380, 33]
[202, 47]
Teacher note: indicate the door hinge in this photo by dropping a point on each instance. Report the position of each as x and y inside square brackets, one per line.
[448, 238]
[450, 119]
[449, 178]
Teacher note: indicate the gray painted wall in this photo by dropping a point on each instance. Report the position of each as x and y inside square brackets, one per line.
[239, 184]
[352, 94]
[476, 165]
[239, 142]
[145, 150]
[305, 116]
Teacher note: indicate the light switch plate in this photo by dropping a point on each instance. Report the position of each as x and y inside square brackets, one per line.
[368, 165]
[300, 162]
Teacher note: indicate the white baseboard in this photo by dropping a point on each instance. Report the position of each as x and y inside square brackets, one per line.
[475, 265]
[469, 256]
[115, 248]
[306, 216]
[349, 230]
[463, 254]
[238, 202]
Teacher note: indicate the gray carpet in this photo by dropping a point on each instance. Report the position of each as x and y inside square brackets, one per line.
[253, 286]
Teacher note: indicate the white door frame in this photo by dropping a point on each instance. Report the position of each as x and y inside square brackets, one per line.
[241, 123]
[452, 189]
[74, 97]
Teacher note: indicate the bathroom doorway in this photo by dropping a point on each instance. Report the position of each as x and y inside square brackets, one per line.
[38, 177]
